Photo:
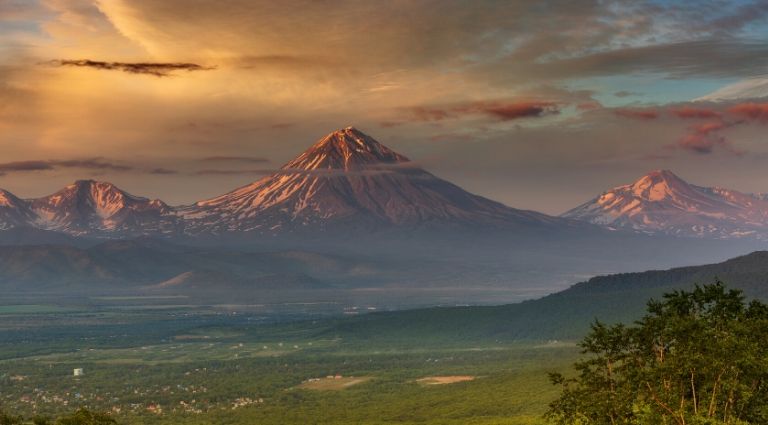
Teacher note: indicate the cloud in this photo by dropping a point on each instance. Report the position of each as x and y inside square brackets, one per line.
[703, 138]
[625, 93]
[228, 172]
[639, 114]
[14, 10]
[25, 166]
[497, 110]
[246, 159]
[162, 171]
[688, 112]
[751, 111]
[43, 165]
[741, 16]
[92, 164]
[751, 88]
[588, 106]
[513, 111]
[156, 69]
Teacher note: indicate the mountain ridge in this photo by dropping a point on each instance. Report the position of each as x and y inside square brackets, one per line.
[661, 202]
[345, 181]
[349, 177]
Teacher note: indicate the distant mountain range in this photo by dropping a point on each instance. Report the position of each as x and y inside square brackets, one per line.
[347, 183]
[90, 208]
[347, 180]
[146, 266]
[382, 220]
[663, 203]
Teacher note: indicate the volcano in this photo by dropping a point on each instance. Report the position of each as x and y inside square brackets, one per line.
[348, 179]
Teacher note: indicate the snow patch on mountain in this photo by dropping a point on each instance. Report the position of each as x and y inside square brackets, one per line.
[662, 202]
[348, 177]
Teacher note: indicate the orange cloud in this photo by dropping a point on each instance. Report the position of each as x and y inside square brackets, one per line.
[752, 111]
[588, 106]
[688, 112]
[703, 138]
[639, 114]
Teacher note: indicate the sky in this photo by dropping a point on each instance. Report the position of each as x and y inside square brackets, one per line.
[540, 105]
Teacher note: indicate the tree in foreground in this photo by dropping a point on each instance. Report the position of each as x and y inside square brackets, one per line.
[697, 358]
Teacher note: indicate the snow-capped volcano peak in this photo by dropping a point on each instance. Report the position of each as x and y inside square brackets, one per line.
[347, 177]
[662, 202]
[659, 185]
[345, 149]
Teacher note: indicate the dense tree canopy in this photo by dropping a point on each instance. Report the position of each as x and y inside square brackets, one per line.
[697, 357]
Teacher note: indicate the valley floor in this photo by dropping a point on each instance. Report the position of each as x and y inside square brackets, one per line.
[174, 366]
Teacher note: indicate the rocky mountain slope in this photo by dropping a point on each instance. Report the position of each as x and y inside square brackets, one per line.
[662, 202]
[346, 181]
[347, 178]
[89, 208]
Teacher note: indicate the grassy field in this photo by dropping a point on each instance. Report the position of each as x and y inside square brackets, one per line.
[167, 367]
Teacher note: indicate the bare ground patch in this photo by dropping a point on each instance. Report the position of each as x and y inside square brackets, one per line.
[443, 380]
[333, 383]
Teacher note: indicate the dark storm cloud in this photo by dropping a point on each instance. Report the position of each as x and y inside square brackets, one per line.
[148, 68]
